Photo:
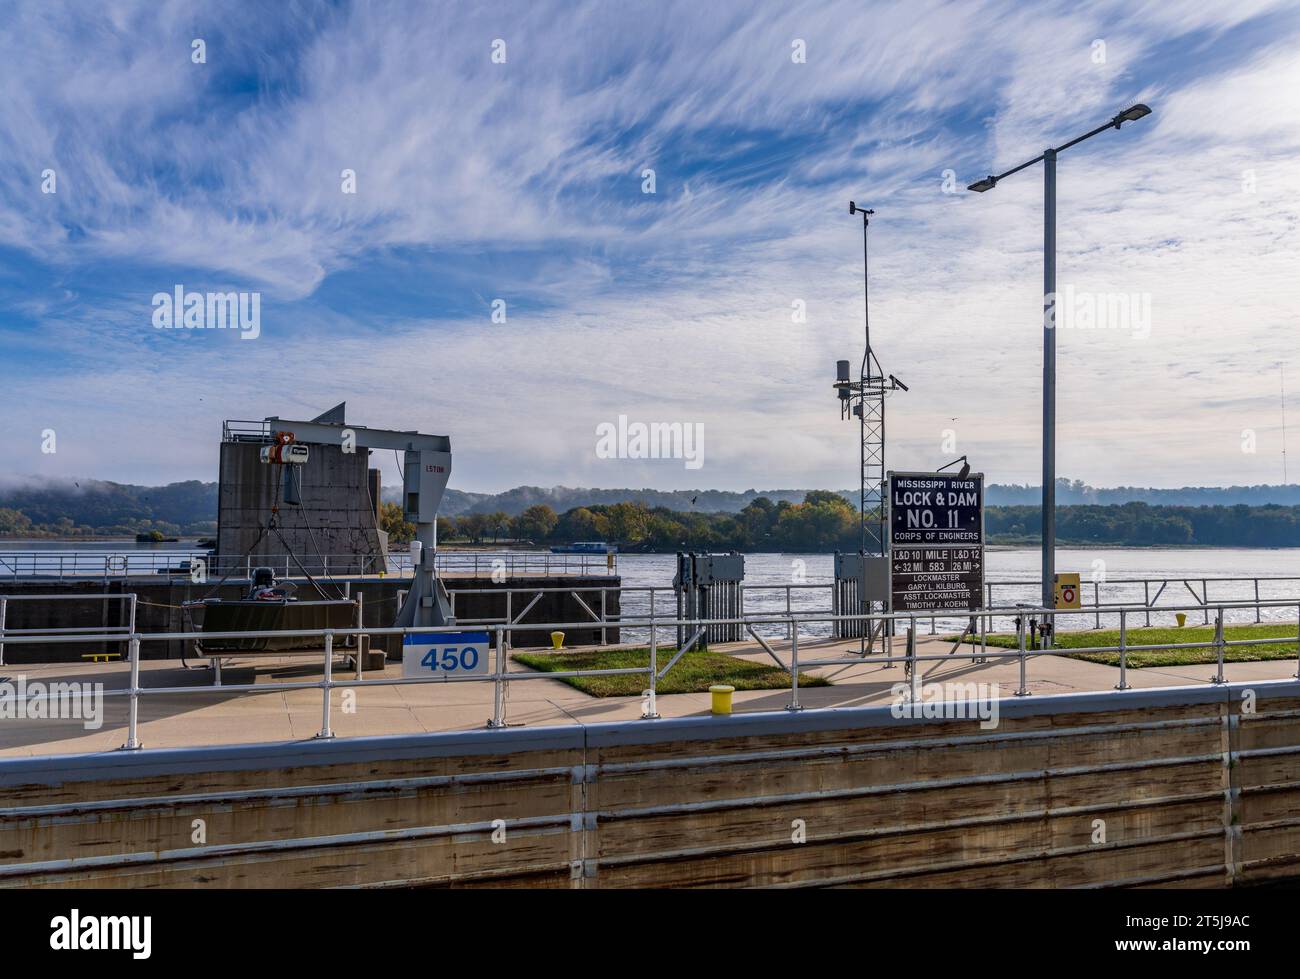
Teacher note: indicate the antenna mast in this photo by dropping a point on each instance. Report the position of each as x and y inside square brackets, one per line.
[1282, 368]
[865, 398]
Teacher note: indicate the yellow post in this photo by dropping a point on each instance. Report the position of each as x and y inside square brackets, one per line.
[1182, 618]
[722, 698]
[557, 640]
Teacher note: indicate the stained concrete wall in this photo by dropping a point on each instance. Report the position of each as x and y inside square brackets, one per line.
[1193, 787]
[336, 518]
[160, 609]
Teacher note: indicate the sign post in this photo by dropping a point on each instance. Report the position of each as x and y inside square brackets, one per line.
[936, 542]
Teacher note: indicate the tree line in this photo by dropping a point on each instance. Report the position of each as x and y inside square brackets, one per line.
[826, 522]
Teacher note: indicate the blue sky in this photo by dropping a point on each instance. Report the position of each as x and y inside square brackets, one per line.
[522, 181]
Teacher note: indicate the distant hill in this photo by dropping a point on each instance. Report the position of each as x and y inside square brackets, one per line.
[39, 507]
[1075, 492]
[32, 505]
[561, 498]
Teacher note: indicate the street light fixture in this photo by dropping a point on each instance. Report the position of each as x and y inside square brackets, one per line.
[963, 472]
[1048, 158]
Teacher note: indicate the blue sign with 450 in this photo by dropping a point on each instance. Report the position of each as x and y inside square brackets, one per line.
[445, 654]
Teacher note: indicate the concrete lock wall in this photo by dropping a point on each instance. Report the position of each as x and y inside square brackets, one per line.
[336, 518]
[1190, 787]
[160, 600]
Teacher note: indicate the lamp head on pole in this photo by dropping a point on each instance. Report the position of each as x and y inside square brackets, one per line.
[1132, 114]
[988, 183]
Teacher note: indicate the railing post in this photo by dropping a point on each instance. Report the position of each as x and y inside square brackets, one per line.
[1123, 651]
[327, 686]
[794, 663]
[651, 711]
[1205, 601]
[4, 602]
[1020, 644]
[1218, 642]
[1257, 619]
[498, 692]
[913, 675]
[603, 616]
[133, 721]
[1096, 602]
[1146, 599]
[1297, 646]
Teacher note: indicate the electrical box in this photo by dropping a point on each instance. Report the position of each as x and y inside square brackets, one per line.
[871, 570]
[1066, 590]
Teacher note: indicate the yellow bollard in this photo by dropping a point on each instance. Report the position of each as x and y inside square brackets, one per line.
[557, 640]
[1182, 618]
[722, 698]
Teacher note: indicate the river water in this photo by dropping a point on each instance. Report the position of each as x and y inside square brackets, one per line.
[1173, 576]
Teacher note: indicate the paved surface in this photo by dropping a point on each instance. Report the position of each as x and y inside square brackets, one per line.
[204, 715]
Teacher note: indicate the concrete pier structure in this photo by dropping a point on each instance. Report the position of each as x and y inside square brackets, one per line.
[338, 513]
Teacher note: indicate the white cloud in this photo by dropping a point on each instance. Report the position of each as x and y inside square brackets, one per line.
[454, 153]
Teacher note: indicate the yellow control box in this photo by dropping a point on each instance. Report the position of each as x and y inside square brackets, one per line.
[1067, 590]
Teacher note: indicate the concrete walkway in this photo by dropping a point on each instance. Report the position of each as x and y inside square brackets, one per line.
[204, 715]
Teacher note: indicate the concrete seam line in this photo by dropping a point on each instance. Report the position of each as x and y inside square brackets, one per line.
[326, 789]
[201, 853]
[999, 862]
[722, 805]
[875, 747]
[852, 836]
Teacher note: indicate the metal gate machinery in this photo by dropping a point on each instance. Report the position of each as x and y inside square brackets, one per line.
[861, 586]
[710, 586]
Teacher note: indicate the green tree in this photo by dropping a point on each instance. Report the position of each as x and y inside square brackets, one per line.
[582, 523]
[394, 523]
[498, 523]
[629, 523]
[474, 526]
[536, 523]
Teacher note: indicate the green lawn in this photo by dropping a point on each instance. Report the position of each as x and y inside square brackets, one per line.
[693, 673]
[1066, 641]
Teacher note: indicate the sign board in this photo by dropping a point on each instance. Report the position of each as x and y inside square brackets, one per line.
[936, 542]
[445, 654]
[1066, 590]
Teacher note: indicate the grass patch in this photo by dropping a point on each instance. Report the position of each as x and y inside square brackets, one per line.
[1067, 641]
[693, 673]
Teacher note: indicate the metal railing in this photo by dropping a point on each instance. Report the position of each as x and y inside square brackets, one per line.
[61, 565]
[815, 598]
[501, 677]
[1152, 590]
[78, 631]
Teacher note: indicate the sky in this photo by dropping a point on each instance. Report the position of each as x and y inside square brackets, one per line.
[501, 266]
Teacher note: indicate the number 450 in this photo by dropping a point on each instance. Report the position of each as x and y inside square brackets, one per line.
[449, 659]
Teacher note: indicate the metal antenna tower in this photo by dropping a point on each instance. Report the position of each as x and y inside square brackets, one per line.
[865, 399]
[1282, 368]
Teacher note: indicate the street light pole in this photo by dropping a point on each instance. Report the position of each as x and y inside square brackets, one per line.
[1131, 114]
[1049, 378]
